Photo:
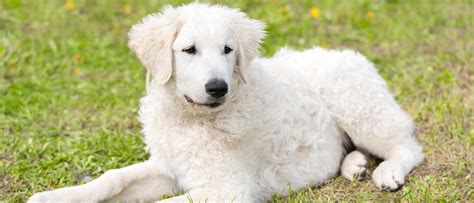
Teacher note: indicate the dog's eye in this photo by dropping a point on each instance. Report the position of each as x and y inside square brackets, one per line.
[227, 50]
[190, 50]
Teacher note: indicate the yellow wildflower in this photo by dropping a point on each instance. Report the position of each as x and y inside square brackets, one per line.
[69, 6]
[78, 57]
[315, 12]
[370, 14]
[127, 8]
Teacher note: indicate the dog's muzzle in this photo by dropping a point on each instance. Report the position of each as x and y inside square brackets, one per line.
[212, 103]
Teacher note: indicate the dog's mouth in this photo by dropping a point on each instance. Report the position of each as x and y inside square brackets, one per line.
[207, 104]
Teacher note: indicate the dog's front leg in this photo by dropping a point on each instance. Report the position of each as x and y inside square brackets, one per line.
[139, 182]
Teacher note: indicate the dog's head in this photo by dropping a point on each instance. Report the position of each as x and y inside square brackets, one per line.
[200, 50]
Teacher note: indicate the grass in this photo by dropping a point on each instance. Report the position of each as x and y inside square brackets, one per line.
[69, 86]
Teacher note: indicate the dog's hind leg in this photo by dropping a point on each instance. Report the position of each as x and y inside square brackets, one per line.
[363, 107]
[139, 182]
[354, 166]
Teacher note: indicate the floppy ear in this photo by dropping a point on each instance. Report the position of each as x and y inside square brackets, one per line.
[249, 34]
[152, 40]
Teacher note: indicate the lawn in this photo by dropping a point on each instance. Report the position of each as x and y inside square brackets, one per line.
[70, 87]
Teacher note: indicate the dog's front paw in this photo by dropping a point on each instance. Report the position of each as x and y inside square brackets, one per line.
[41, 197]
[389, 175]
[53, 196]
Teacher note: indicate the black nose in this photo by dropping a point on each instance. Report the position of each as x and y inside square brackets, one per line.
[216, 88]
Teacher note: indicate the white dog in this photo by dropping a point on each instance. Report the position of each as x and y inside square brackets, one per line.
[222, 124]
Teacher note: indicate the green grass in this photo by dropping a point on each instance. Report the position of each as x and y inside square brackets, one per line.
[69, 86]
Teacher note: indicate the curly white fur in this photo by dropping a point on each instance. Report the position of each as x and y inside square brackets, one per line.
[283, 122]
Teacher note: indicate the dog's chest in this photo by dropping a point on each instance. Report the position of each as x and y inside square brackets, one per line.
[193, 151]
